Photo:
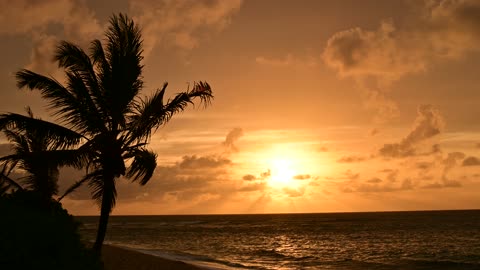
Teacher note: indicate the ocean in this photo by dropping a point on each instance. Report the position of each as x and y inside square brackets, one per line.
[377, 240]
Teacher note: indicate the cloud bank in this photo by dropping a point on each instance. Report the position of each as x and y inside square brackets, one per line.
[446, 29]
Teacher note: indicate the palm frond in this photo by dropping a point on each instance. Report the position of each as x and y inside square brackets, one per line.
[62, 101]
[60, 136]
[200, 90]
[82, 113]
[143, 165]
[9, 163]
[103, 189]
[72, 157]
[151, 113]
[124, 55]
[7, 181]
[103, 72]
[19, 142]
[148, 113]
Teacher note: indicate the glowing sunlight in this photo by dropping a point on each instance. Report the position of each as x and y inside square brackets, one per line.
[282, 172]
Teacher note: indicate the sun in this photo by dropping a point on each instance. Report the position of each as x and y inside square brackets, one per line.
[282, 172]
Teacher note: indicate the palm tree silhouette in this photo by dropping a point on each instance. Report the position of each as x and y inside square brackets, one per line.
[101, 103]
[37, 153]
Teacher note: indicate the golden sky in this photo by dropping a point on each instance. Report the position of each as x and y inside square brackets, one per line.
[320, 106]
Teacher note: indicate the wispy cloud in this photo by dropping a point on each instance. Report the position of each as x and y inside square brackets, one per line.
[232, 137]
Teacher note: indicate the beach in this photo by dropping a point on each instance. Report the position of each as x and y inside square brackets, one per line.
[115, 258]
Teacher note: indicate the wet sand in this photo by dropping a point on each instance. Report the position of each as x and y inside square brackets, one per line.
[115, 258]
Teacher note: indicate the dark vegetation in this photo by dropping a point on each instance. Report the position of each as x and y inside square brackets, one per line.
[106, 125]
[42, 235]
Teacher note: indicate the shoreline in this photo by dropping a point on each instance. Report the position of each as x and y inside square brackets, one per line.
[118, 258]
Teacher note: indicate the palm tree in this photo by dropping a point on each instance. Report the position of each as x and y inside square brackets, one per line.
[37, 153]
[101, 103]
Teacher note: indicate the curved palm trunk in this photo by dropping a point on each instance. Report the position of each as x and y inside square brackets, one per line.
[106, 208]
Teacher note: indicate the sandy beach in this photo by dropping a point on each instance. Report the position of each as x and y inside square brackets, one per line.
[116, 258]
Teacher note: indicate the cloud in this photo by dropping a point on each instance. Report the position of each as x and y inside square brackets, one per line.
[376, 58]
[424, 165]
[302, 177]
[253, 187]
[377, 185]
[36, 19]
[471, 161]
[374, 180]
[203, 162]
[232, 138]
[444, 184]
[351, 159]
[183, 23]
[266, 174]
[428, 124]
[357, 52]
[249, 177]
[451, 161]
[188, 179]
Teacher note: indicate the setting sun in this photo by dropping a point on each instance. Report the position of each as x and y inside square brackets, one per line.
[282, 172]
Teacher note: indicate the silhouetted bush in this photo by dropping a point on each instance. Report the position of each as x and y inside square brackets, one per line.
[39, 234]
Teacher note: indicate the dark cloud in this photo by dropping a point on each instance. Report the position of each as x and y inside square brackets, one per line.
[471, 161]
[424, 165]
[428, 124]
[376, 185]
[262, 176]
[302, 176]
[351, 159]
[203, 162]
[266, 174]
[249, 177]
[443, 184]
[232, 138]
[374, 180]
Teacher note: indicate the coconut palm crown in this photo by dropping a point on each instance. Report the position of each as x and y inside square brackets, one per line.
[101, 102]
[36, 153]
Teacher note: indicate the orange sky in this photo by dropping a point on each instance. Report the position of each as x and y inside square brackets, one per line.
[319, 105]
